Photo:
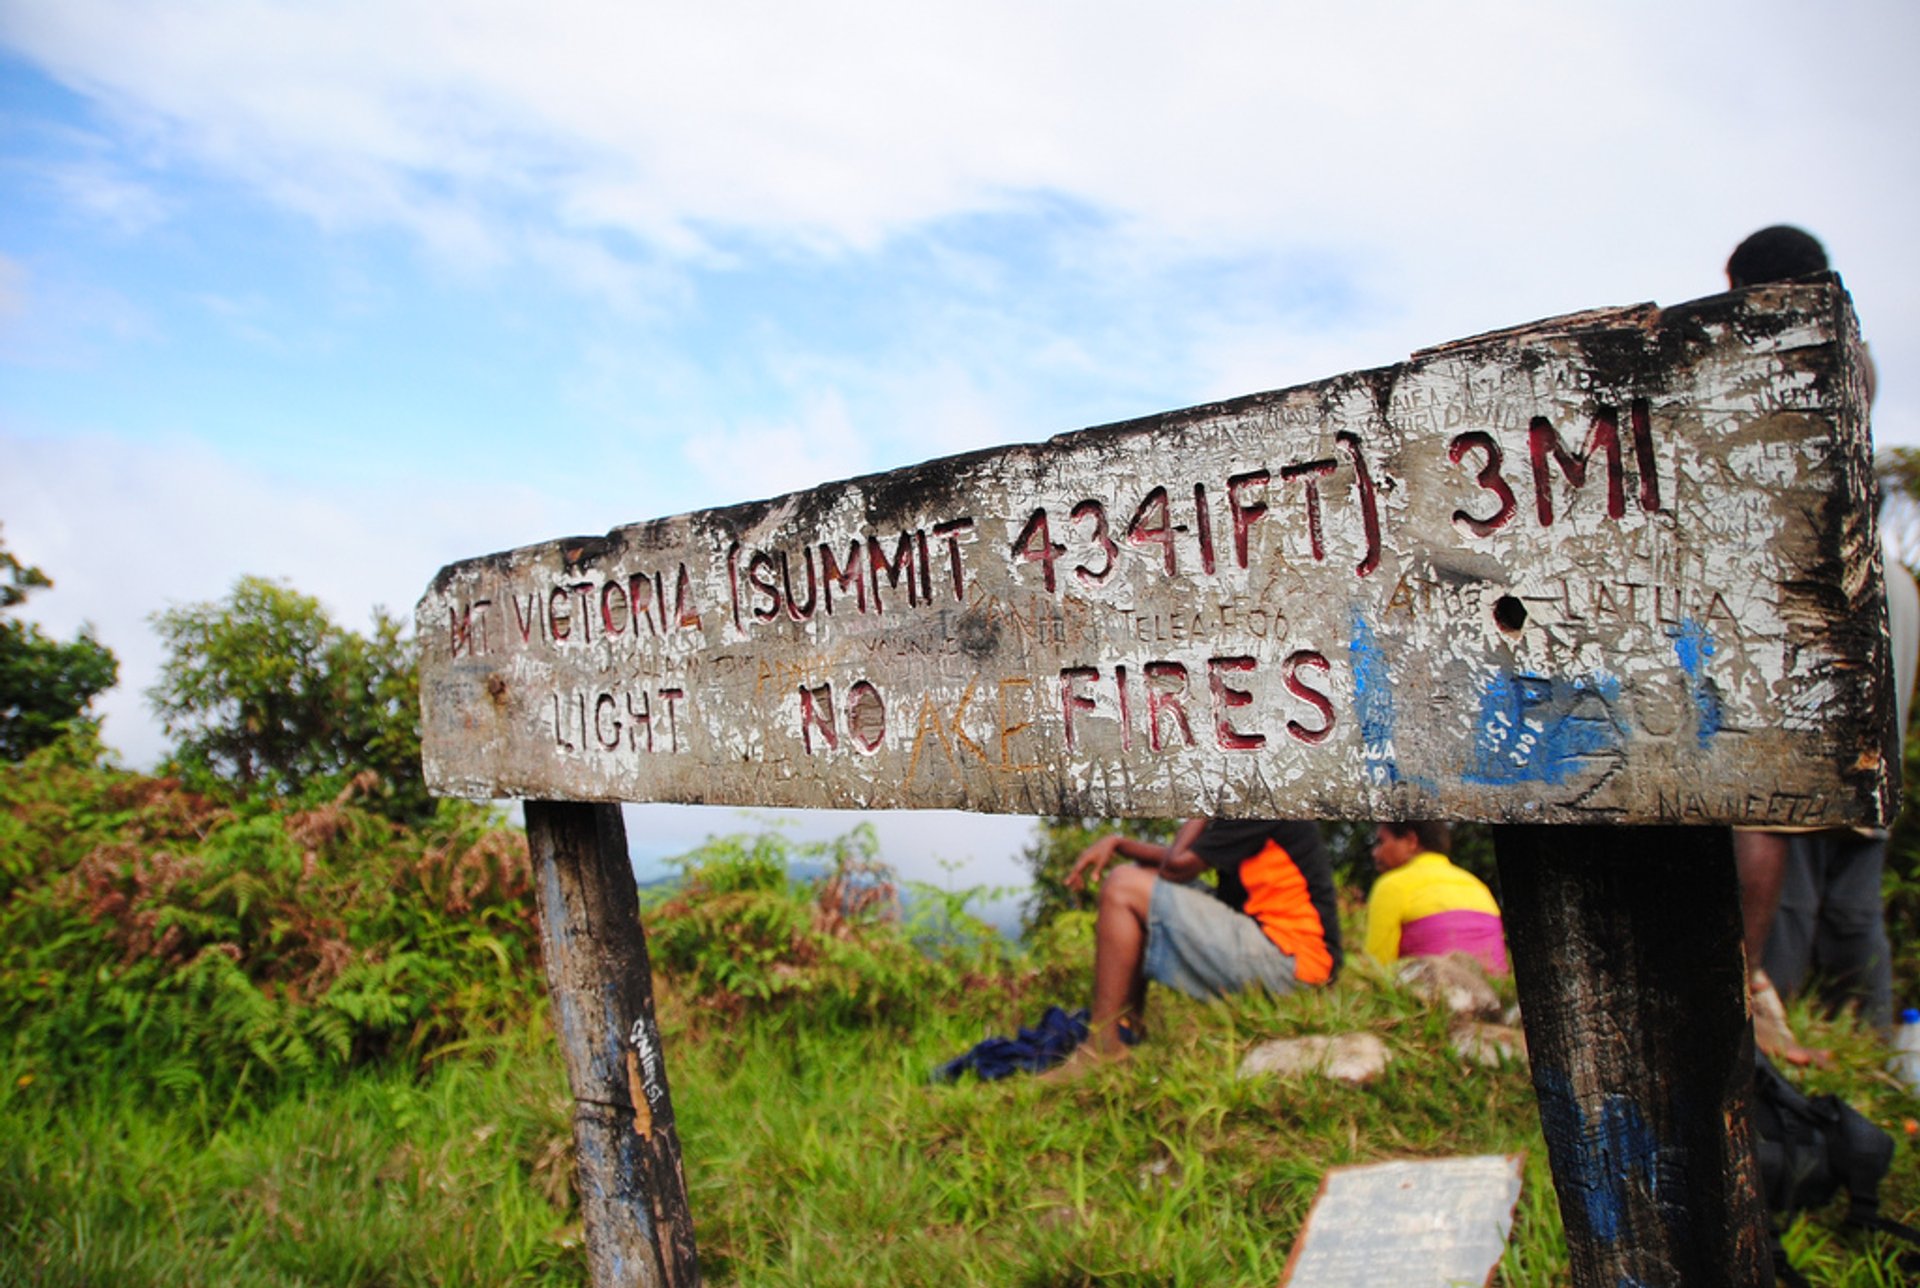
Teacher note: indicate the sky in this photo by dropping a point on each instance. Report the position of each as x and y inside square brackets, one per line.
[339, 293]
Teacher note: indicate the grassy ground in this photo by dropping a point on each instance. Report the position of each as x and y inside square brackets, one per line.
[815, 1157]
[373, 1178]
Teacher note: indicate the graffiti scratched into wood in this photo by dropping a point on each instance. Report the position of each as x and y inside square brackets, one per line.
[1615, 567]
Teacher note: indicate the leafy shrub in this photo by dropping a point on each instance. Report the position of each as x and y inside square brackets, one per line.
[154, 935]
[747, 931]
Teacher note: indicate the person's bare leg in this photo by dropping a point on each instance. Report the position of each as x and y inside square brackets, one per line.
[1761, 859]
[1119, 954]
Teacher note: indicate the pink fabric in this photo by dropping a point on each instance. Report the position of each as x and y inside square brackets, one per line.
[1477, 933]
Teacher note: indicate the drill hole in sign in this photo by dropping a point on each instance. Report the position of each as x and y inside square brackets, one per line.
[1509, 613]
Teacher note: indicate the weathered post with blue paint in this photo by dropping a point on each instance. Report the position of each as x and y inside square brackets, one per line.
[1599, 574]
[1626, 947]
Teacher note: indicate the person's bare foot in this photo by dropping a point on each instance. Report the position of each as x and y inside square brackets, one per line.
[1085, 1059]
[1771, 1032]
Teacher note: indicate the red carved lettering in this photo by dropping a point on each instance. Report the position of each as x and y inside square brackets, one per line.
[1071, 700]
[559, 614]
[1369, 502]
[1640, 417]
[667, 698]
[1167, 692]
[951, 530]
[1152, 525]
[1489, 478]
[638, 718]
[584, 590]
[1091, 509]
[1203, 527]
[686, 611]
[795, 610]
[760, 578]
[1312, 472]
[833, 574]
[1035, 544]
[733, 585]
[460, 628]
[607, 623]
[601, 706]
[816, 712]
[1313, 697]
[901, 565]
[1245, 514]
[1225, 698]
[1126, 708]
[866, 716]
[1543, 441]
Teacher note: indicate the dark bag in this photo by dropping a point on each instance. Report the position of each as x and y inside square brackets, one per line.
[1812, 1147]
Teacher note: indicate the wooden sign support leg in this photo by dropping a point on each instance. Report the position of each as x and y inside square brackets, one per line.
[1626, 948]
[633, 1193]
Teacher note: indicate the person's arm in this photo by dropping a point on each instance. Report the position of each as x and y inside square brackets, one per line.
[1093, 861]
[1182, 864]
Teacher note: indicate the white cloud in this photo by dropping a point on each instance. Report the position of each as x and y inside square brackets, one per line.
[126, 529]
[754, 459]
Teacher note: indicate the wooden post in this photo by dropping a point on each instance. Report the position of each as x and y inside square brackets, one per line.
[1627, 951]
[633, 1193]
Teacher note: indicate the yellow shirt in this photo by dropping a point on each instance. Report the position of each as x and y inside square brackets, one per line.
[1424, 886]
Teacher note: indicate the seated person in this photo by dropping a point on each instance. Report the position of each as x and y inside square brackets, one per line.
[1271, 921]
[1423, 906]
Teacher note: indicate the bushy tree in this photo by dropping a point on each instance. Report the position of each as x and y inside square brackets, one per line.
[46, 684]
[265, 694]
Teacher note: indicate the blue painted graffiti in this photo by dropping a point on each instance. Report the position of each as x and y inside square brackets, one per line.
[1617, 1154]
[1535, 729]
[1693, 645]
[1373, 701]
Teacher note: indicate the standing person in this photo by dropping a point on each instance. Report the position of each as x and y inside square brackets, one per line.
[1424, 906]
[1811, 900]
[1271, 921]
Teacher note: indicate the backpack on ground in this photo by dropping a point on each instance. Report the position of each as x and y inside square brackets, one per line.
[1812, 1147]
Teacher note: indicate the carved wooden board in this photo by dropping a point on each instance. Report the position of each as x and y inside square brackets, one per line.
[1613, 567]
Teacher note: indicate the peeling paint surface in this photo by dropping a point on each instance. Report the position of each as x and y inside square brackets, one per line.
[1617, 567]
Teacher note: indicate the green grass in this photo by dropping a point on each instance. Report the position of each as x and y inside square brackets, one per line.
[815, 1156]
[368, 1178]
[832, 1160]
[301, 1046]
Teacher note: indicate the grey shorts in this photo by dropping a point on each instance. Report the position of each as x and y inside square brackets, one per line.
[1831, 929]
[1199, 945]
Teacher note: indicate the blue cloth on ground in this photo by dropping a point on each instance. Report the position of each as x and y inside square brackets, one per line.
[1035, 1050]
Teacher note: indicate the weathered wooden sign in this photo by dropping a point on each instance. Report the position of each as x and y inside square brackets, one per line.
[1617, 566]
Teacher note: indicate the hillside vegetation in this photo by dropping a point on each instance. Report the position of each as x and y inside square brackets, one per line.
[276, 1016]
[261, 1042]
